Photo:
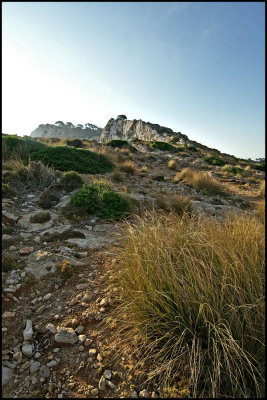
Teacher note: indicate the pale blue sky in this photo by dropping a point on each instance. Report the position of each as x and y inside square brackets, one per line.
[198, 68]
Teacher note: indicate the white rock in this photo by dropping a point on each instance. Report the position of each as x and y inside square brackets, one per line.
[144, 393]
[28, 332]
[82, 338]
[110, 384]
[66, 335]
[47, 296]
[107, 374]
[27, 349]
[50, 327]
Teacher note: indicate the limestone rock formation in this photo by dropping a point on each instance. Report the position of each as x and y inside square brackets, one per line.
[126, 130]
[54, 131]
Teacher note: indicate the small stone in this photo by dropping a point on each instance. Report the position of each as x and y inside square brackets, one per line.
[26, 250]
[110, 384]
[66, 335]
[50, 327]
[92, 352]
[56, 350]
[47, 296]
[87, 342]
[144, 393]
[79, 329]
[52, 363]
[34, 367]
[12, 248]
[74, 323]
[82, 286]
[37, 355]
[154, 395]
[42, 379]
[44, 372]
[41, 309]
[25, 365]
[82, 338]
[50, 357]
[103, 302]
[73, 301]
[28, 332]
[7, 374]
[34, 380]
[133, 394]
[27, 349]
[8, 314]
[94, 392]
[107, 374]
[81, 348]
[18, 356]
[102, 383]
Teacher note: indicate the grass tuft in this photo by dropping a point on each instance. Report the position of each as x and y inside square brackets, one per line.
[192, 293]
[199, 181]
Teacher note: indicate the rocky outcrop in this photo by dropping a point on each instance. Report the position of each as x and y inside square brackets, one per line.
[126, 130]
[53, 131]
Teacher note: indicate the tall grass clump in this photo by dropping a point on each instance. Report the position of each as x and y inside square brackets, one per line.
[262, 189]
[199, 180]
[192, 297]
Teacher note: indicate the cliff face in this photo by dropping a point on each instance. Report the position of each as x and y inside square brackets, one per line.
[49, 130]
[127, 130]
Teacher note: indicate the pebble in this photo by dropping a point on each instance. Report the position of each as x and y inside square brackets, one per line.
[56, 350]
[107, 374]
[47, 296]
[28, 332]
[18, 356]
[8, 314]
[87, 342]
[66, 335]
[144, 393]
[52, 363]
[103, 302]
[50, 357]
[25, 365]
[34, 380]
[92, 352]
[50, 327]
[26, 250]
[79, 329]
[27, 349]
[94, 392]
[37, 355]
[110, 384]
[12, 248]
[34, 367]
[82, 338]
[82, 286]
[44, 372]
[41, 309]
[81, 348]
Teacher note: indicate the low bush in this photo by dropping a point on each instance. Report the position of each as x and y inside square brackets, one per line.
[99, 199]
[163, 146]
[19, 147]
[77, 143]
[260, 167]
[71, 180]
[199, 181]
[193, 300]
[49, 198]
[176, 203]
[7, 191]
[117, 143]
[66, 158]
[214, 160]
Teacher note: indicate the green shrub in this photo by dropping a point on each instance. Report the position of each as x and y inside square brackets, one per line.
[66, 158]
[192, 148]
[19, 147]
[214, 160]
[232, 169]
[7, 191]
[260, 167]
[163, 146]
[77, 143]
[71, 180]
[117, 143]
[99, 199]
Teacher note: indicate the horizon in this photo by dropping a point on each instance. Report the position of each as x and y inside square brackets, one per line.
[197, 68]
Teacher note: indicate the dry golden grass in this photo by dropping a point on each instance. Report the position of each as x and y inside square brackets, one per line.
[192, 295]
[128, 167]
[199, 180]
[262, 189]
[172, 164]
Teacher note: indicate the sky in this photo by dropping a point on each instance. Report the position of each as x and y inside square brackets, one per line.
[197, 68]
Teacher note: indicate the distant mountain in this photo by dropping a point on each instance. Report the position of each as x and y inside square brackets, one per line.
[121, 128]
[69, 131]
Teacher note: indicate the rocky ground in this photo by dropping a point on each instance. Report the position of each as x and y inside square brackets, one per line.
[55, 338]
